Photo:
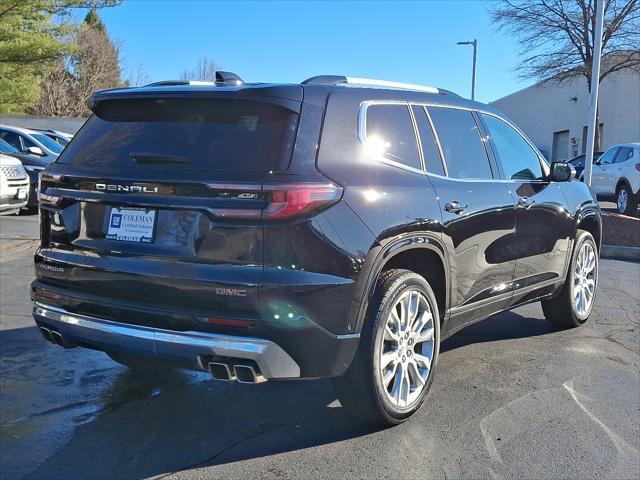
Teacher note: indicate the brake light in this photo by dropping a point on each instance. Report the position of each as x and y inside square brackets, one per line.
[638, 166]
[282, 200]
[291, 200]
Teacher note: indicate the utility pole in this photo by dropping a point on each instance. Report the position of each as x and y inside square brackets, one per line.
[473, 72]
[595, 84]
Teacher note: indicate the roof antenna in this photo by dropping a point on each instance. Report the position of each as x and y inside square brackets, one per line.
[225, 79]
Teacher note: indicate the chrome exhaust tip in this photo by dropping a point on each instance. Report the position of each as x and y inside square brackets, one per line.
[46, 333]
[57, 338]
[247, 374]
[221, 371]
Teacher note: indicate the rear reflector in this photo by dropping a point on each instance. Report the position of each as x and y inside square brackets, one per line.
[226, 322]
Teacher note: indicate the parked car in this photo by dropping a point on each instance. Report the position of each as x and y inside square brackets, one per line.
[14, 185]
[30, 141]
[616, 176]
[335, 228]
[61, 138]
[578, 164]
[33, 164]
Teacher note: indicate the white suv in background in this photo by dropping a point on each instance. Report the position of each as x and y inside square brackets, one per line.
[616, 175]
[14, 185]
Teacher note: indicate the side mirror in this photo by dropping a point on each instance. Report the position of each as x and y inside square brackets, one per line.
[562, 172]
[36, 151]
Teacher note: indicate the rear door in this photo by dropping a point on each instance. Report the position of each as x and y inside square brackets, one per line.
[155, 204]
[478, 217]
[543, 225]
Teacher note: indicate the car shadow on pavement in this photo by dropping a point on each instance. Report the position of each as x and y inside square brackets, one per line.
[131, 425]
[504, 326]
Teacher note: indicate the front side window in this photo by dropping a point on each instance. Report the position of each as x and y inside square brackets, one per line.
[12, 139]
[390, 133]
[48, 143]
[461, 144]
[608, 156]
[519, 161]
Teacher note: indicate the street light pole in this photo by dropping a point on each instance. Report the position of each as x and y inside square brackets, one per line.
[473, 73]
[595, 84]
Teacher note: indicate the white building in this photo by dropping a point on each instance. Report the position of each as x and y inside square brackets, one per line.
[554, 115]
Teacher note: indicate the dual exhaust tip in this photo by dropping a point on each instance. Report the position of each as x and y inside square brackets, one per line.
[53, 336]
[229, 372]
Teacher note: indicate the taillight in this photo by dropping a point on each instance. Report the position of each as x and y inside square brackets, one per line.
[638, 166]
[291, 200]
[282, 200]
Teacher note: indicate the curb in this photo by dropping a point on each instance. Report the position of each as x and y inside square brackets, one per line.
[620, 253]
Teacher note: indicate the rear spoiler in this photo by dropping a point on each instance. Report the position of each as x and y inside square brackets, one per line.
[286, 96]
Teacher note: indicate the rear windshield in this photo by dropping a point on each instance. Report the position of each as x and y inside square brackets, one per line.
[203, 134]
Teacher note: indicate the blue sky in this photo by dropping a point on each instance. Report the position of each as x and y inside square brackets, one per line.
[290, 41]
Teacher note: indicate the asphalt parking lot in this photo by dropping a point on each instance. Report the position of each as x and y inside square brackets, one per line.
[512, 398]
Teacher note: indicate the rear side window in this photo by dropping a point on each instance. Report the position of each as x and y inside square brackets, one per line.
[462, 147]
[432, 159]
[203, 134]
[624, 154]
[389, 130]
[518, 160]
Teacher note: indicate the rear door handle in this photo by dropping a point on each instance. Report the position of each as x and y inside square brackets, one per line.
[454, 207]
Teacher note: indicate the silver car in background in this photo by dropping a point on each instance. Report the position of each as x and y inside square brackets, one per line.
[14, 185]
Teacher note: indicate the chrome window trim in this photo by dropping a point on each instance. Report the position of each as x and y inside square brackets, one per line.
[437, 138]
[362, 130]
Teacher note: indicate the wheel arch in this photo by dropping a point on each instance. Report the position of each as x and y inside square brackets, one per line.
[591, 221]
[421, 253]
[623, 181]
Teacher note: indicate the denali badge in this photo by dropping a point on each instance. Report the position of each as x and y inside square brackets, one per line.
[231, 292]
[51, 268]
[125, 188]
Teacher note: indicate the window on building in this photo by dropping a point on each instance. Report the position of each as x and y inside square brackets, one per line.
[584, 136]
[464, 153]
[518, 160]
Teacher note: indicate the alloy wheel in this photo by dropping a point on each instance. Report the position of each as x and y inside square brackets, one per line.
[406, 351]
[623, 200]
[584, 283]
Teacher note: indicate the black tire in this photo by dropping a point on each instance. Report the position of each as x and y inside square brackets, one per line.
[361, 391]
[631, 200]
[561, 310]
[139, 363]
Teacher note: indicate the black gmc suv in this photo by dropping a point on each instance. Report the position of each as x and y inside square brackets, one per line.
[339, 227]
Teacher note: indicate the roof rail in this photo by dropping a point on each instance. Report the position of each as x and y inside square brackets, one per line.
[357, 81]
[172, 83]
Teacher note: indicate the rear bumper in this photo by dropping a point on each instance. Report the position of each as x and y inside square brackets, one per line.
[187, 348]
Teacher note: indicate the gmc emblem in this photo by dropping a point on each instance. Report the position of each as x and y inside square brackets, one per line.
[231, 292]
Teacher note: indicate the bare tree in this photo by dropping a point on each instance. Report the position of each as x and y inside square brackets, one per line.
[557, 37]
[204, 71]
[94, 64]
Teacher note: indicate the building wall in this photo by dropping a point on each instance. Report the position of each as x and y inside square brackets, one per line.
[63, 124]
[545, 108]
